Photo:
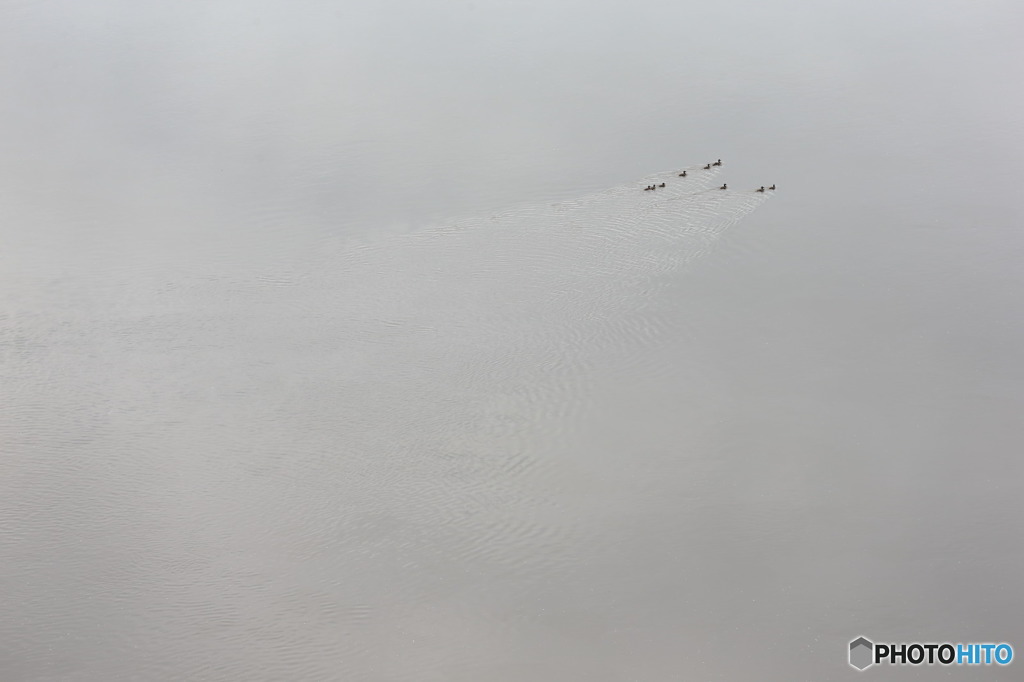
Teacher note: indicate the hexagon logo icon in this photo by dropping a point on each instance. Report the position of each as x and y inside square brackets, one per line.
[861, 653]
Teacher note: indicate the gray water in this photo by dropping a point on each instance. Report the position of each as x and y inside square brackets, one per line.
[340, 342]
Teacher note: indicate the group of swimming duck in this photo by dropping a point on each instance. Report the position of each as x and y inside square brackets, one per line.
[651, 188]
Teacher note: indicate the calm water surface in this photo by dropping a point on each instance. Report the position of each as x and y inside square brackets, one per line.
[339, 341]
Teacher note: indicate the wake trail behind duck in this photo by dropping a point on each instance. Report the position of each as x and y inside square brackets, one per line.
[528, 299]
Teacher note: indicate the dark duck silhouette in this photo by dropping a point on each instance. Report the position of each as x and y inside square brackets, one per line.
[707, 167]
[717, 163]
[661, 185]
[724, 186]
[760, 190]
[683, 174]
[772, 187]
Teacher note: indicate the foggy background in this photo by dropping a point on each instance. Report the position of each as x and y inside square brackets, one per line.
[338, 340]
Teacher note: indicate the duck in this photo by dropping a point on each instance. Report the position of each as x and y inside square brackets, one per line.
[724, 186]
[707, 167]
[717, 163]
[647, 188]
[661, 185]
[683, 174]
[760, 190]
[772, 187]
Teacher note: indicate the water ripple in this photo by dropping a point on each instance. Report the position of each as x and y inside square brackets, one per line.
[308, 459]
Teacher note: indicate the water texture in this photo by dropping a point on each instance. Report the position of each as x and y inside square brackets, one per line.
[342, 342]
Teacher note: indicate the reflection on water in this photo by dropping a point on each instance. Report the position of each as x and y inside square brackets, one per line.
[272, 410]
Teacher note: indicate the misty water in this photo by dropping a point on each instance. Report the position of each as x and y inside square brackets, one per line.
[341, 341]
